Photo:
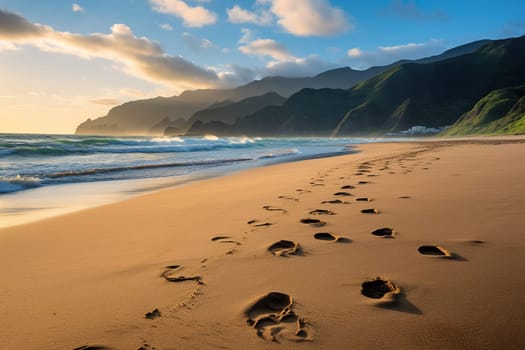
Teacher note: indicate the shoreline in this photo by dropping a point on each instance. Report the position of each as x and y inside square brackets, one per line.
[34, 204]
[467, 196]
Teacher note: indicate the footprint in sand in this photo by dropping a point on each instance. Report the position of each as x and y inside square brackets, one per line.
[231, 241]
[363, 199]
[322, 212]
[313, 222]
[363, 182]
[438, 251]
[289, 198]
[405, 197]
[171, 274]
[92, 347]
[270, 208]
[331, 237]
[334, 201]
[347, 187]
[219, 238]
[301, 191]
[370, 211]
[434, 250]
[256, 223]
[273, 317]
[381, 289]
[152, 314]
[385, 232]
[285, 248]
[343, 194]
[227, 240]
[476, 242]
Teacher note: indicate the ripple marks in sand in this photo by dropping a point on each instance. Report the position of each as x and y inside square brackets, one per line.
[381, 289]
[273, 317]
[284, 248]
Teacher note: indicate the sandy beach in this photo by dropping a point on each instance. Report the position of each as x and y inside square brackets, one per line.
[401, 246]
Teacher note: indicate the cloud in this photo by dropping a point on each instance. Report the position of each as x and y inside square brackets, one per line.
[198, 44]
[137, 56]
[383, 55]
[355, 52]
[166, 26]
[281, 62]
[310, 18]
[7, 46]
[411, 11]
[247, 36]
[192, 16]
[238, 15]
[298, 67]
[77, 8]
[267, 47]
[307, 18]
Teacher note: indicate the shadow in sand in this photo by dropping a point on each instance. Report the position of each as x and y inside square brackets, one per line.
[402, 304]
[457, 257]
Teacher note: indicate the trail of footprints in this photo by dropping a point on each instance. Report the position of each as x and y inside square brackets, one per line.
[272, 316]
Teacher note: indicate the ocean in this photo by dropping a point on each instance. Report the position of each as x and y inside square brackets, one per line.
[59, 173]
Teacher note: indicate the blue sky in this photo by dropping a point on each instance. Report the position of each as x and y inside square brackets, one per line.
[64, 61]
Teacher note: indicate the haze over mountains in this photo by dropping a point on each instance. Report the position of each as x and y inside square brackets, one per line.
[475, 88]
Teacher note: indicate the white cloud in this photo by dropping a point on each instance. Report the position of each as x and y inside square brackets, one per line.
[281, 62]
[77, 8]
[310, 18]
[247, 36]
[137, 56]
[198, 44]
[236, 14]
[192, 16]
[298, 67]
[355, 52]
[304, 18]
[7, 46]
[383, 55]
[410, 47]
[267, 47]
[166, 26]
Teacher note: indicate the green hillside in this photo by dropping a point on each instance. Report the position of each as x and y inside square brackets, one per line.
[434, 94]
[500, 112]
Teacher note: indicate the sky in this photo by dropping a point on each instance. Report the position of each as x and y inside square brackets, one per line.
[62, 62]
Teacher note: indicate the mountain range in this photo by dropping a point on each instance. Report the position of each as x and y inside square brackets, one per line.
[473, 88]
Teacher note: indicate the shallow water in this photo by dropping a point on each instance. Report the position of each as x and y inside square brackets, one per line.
[48, 175]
